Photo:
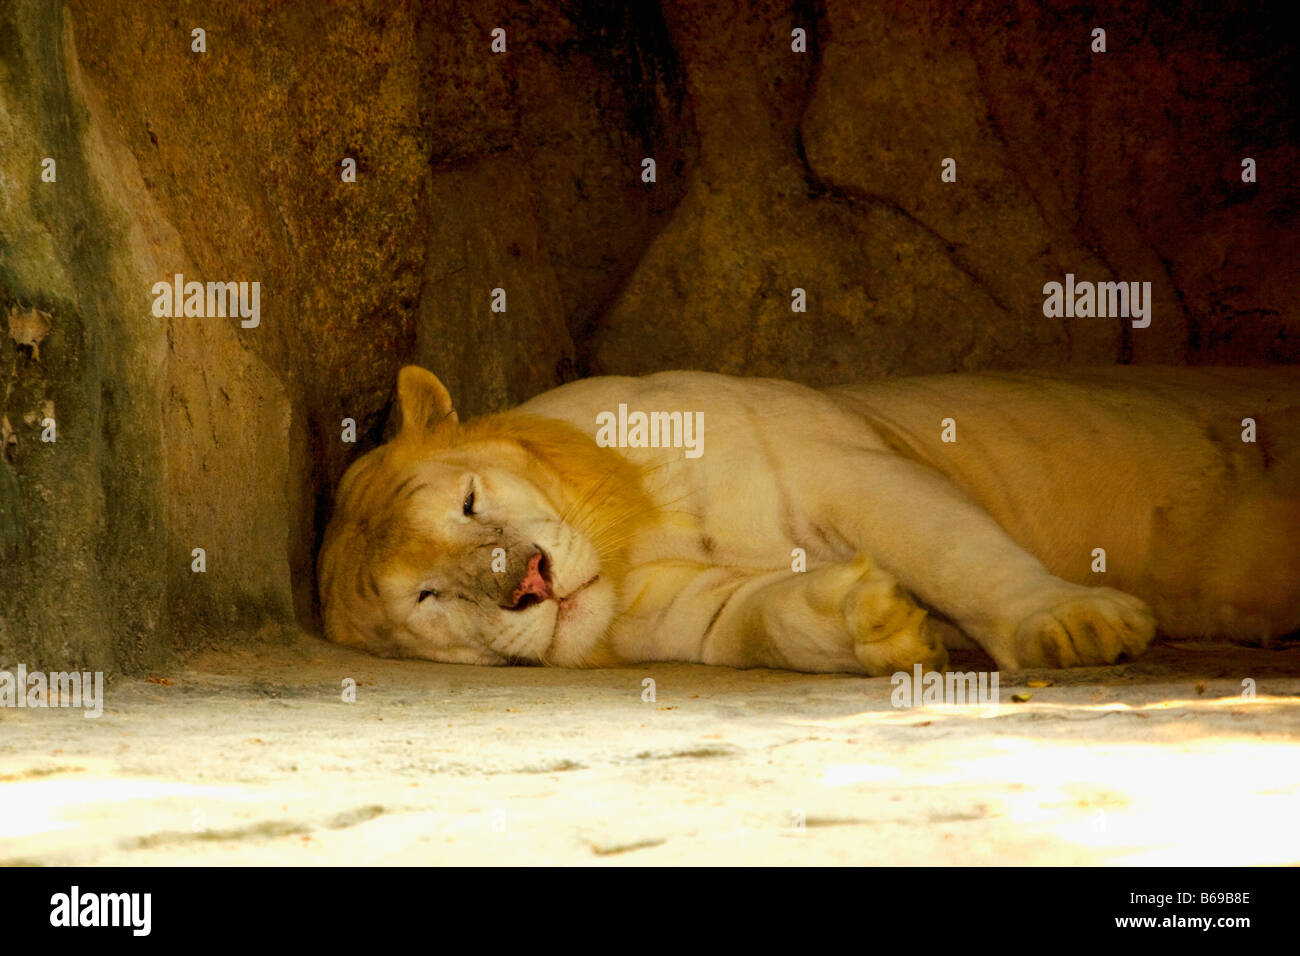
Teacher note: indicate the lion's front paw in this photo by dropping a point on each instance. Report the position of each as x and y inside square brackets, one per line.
[1087, 626]
[890, 633]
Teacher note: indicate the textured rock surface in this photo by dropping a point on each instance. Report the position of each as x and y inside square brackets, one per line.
[83, 528]
[472, 174]
[1118, 165]
[902, 272]
[521, 171]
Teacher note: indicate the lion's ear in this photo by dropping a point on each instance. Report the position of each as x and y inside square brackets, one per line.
[424, 401]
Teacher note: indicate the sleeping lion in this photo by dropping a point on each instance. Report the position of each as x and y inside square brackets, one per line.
[1055, 519]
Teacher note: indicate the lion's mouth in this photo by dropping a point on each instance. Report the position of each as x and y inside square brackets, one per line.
[567, 607]
[566, 602]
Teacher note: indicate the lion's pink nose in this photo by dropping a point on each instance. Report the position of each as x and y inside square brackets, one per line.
[536, 582]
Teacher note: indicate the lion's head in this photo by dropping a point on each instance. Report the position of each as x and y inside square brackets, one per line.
[498, 541]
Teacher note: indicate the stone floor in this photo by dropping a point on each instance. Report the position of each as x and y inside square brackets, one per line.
[253, 757]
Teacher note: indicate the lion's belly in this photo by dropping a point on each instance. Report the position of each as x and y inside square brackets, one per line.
[1141, 471]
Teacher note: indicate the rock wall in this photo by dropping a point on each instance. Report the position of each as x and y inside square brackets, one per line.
[522, 171]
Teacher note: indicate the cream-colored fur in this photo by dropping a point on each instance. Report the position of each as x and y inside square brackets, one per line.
[909, 540]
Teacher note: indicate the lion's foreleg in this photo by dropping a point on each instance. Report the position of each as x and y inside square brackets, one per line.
[844, 617]
[949, 552]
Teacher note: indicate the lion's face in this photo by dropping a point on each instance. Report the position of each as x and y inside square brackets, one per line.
[467, 553]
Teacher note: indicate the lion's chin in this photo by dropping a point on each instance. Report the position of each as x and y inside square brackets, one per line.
[582, 621]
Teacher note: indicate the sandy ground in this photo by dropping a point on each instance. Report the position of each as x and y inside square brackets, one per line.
[253, 757]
